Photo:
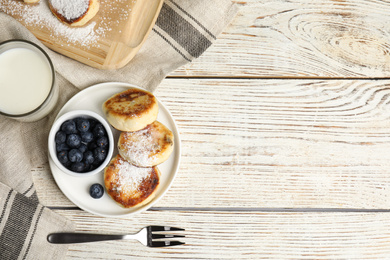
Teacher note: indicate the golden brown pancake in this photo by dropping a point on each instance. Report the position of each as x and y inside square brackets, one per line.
[74, 12]
[129, 185]
[131, 110]
[147, 147]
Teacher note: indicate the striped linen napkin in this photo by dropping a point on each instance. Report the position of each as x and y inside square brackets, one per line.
[183, 31]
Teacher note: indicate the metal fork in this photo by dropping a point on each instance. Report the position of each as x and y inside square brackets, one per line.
[145, 236]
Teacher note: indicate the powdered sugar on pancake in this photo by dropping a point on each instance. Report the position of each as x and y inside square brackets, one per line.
[130, 177]
[143, 151]
[70, 9]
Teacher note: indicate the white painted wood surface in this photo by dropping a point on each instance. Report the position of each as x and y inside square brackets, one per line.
[301, 38]
[243, 235]
[275, 163]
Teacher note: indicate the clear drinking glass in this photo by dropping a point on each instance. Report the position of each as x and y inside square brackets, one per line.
[28, 89]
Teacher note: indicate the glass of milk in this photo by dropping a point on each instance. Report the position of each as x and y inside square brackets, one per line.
[28, 89]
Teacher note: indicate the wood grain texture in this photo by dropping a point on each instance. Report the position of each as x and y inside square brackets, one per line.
[300, 38]
[238, 235]
[274, 144]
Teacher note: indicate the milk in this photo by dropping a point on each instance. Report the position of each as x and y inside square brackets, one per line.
[25, 80]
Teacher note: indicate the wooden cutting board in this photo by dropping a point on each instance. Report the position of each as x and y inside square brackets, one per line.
[109, 41]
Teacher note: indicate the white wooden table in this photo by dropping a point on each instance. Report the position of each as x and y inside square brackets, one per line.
[285, 128]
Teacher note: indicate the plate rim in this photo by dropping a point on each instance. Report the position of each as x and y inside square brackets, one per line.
[174, 170]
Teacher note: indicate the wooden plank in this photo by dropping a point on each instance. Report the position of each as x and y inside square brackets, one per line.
[274, 143]
[238, 235]
[300, 38]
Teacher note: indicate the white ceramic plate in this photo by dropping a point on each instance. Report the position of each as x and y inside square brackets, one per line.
[77, 188]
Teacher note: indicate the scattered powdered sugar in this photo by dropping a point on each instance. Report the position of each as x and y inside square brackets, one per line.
[143, 151]
[129, 176]
[70, 9]
[40, 19]
[40, 16]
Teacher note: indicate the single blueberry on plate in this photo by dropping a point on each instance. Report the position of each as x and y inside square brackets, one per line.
[99, 154]
[60, 137]
[86, 137]
[102, 141]
[73, 140]
[75, 155]
[99, 130]
[77, 167]
[69, 127]
[62, 147]
[88, 157]
[63, 157]
[96, 191]
[82, 124]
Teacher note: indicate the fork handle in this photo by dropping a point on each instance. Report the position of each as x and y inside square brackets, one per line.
[69, 238]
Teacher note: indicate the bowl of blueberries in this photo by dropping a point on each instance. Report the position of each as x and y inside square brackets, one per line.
[81, 143]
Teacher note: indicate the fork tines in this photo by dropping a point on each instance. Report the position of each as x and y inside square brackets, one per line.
[161, 243]
[157, 236]
[166, 243]
[163, 228]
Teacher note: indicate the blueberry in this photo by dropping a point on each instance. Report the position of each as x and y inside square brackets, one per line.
[83, 148]
[92, 146]
[99, 154]
[102, 141]
[82, 124]
[62, 147]
[90, 167]
[69, 127]
[99, 130]
[63, 157]
[73, 140]
[96, 191]
[75, 155]
[60, 137]
[92, 123]
[77, 167]
[86, 137]
[88, 157]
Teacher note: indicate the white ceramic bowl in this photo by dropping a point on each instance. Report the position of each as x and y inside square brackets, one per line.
[71, 115]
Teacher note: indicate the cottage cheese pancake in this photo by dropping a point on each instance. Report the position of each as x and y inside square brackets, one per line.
[74, 12]
[131, 110]
[129, 185]
[147, 147]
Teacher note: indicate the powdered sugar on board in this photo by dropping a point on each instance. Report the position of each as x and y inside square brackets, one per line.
[39, 18]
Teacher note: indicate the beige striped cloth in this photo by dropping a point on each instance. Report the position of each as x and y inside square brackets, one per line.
[183, 31]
